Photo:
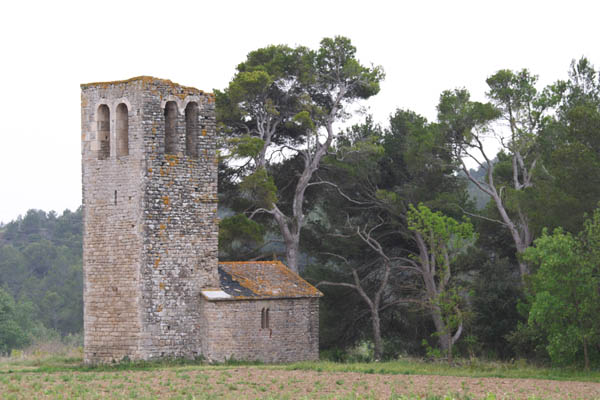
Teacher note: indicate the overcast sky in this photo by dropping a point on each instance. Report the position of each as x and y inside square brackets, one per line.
[48, 48]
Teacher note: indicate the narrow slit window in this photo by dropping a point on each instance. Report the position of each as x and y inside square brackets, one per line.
[122, 125]
[262, 319]
[171, 127]
[192, 130]
[267, 325]
[103, 131]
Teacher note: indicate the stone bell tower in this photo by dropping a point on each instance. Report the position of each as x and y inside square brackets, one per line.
[150, 217]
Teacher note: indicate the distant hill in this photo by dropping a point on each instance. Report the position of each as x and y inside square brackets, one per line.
[41, 264]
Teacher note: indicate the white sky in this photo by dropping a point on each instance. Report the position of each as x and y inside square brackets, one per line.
[48, 48]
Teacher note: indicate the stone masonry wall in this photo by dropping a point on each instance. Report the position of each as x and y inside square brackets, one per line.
[113, 235]
[150, 232]
[180, 225]
[234, 330]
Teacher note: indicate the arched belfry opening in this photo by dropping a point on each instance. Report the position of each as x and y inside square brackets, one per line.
[122, 128]
[192, 130]
[103, 131]
[171, 127]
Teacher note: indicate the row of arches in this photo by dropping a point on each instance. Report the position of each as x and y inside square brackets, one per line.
[192, 129]
[122, 130]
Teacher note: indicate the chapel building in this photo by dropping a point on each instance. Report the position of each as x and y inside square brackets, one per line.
[153, 286]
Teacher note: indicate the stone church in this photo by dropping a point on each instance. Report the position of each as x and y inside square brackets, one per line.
[153, 286]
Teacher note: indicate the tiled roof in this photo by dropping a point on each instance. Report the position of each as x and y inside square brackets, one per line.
[261, 280]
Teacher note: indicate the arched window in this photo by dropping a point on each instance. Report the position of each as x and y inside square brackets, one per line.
[171, 127]
[103, 131]
[122, 125]
[191, 129]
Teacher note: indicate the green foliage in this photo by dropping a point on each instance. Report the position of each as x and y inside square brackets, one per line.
[250, 84]
[11, 332]
[496, 292]
[239, 234]
[265, 93]
[240, 224]
[304, 120]
[358, 152]
[286, 98]
[566, 300]
[335, 62]
[246, 146]
[570, 150]
[41, 270]
[445, 237]
[459, 116]
[260, 189]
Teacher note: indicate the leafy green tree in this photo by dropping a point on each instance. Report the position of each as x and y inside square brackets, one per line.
[11, 333]
[286, 101]
[566, 299]
[440, 240]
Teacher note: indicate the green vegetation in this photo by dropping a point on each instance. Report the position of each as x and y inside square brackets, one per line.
[41, 283]
[566, 286]
[467, 368]
[413, 290]
[371, 213]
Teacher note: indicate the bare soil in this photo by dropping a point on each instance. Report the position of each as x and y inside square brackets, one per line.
[258, 383]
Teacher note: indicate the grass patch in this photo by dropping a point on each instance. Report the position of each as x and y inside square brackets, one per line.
[462, 368]
[407, 366]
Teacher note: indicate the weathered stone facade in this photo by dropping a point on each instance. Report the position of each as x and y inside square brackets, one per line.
[235, 330]
[149, 171]
[263, 311]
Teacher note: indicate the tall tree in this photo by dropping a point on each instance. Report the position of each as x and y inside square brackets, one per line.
[515, 117]
[287, 101]
[381, 268]
[440, 239]
[379, 176]
[571, 151]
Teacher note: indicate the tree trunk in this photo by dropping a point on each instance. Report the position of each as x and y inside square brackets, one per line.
[519, 228]
[373, 304]
[291, 255]
[378, 350]
[440, 328]
[291, 238]
[586, 355]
